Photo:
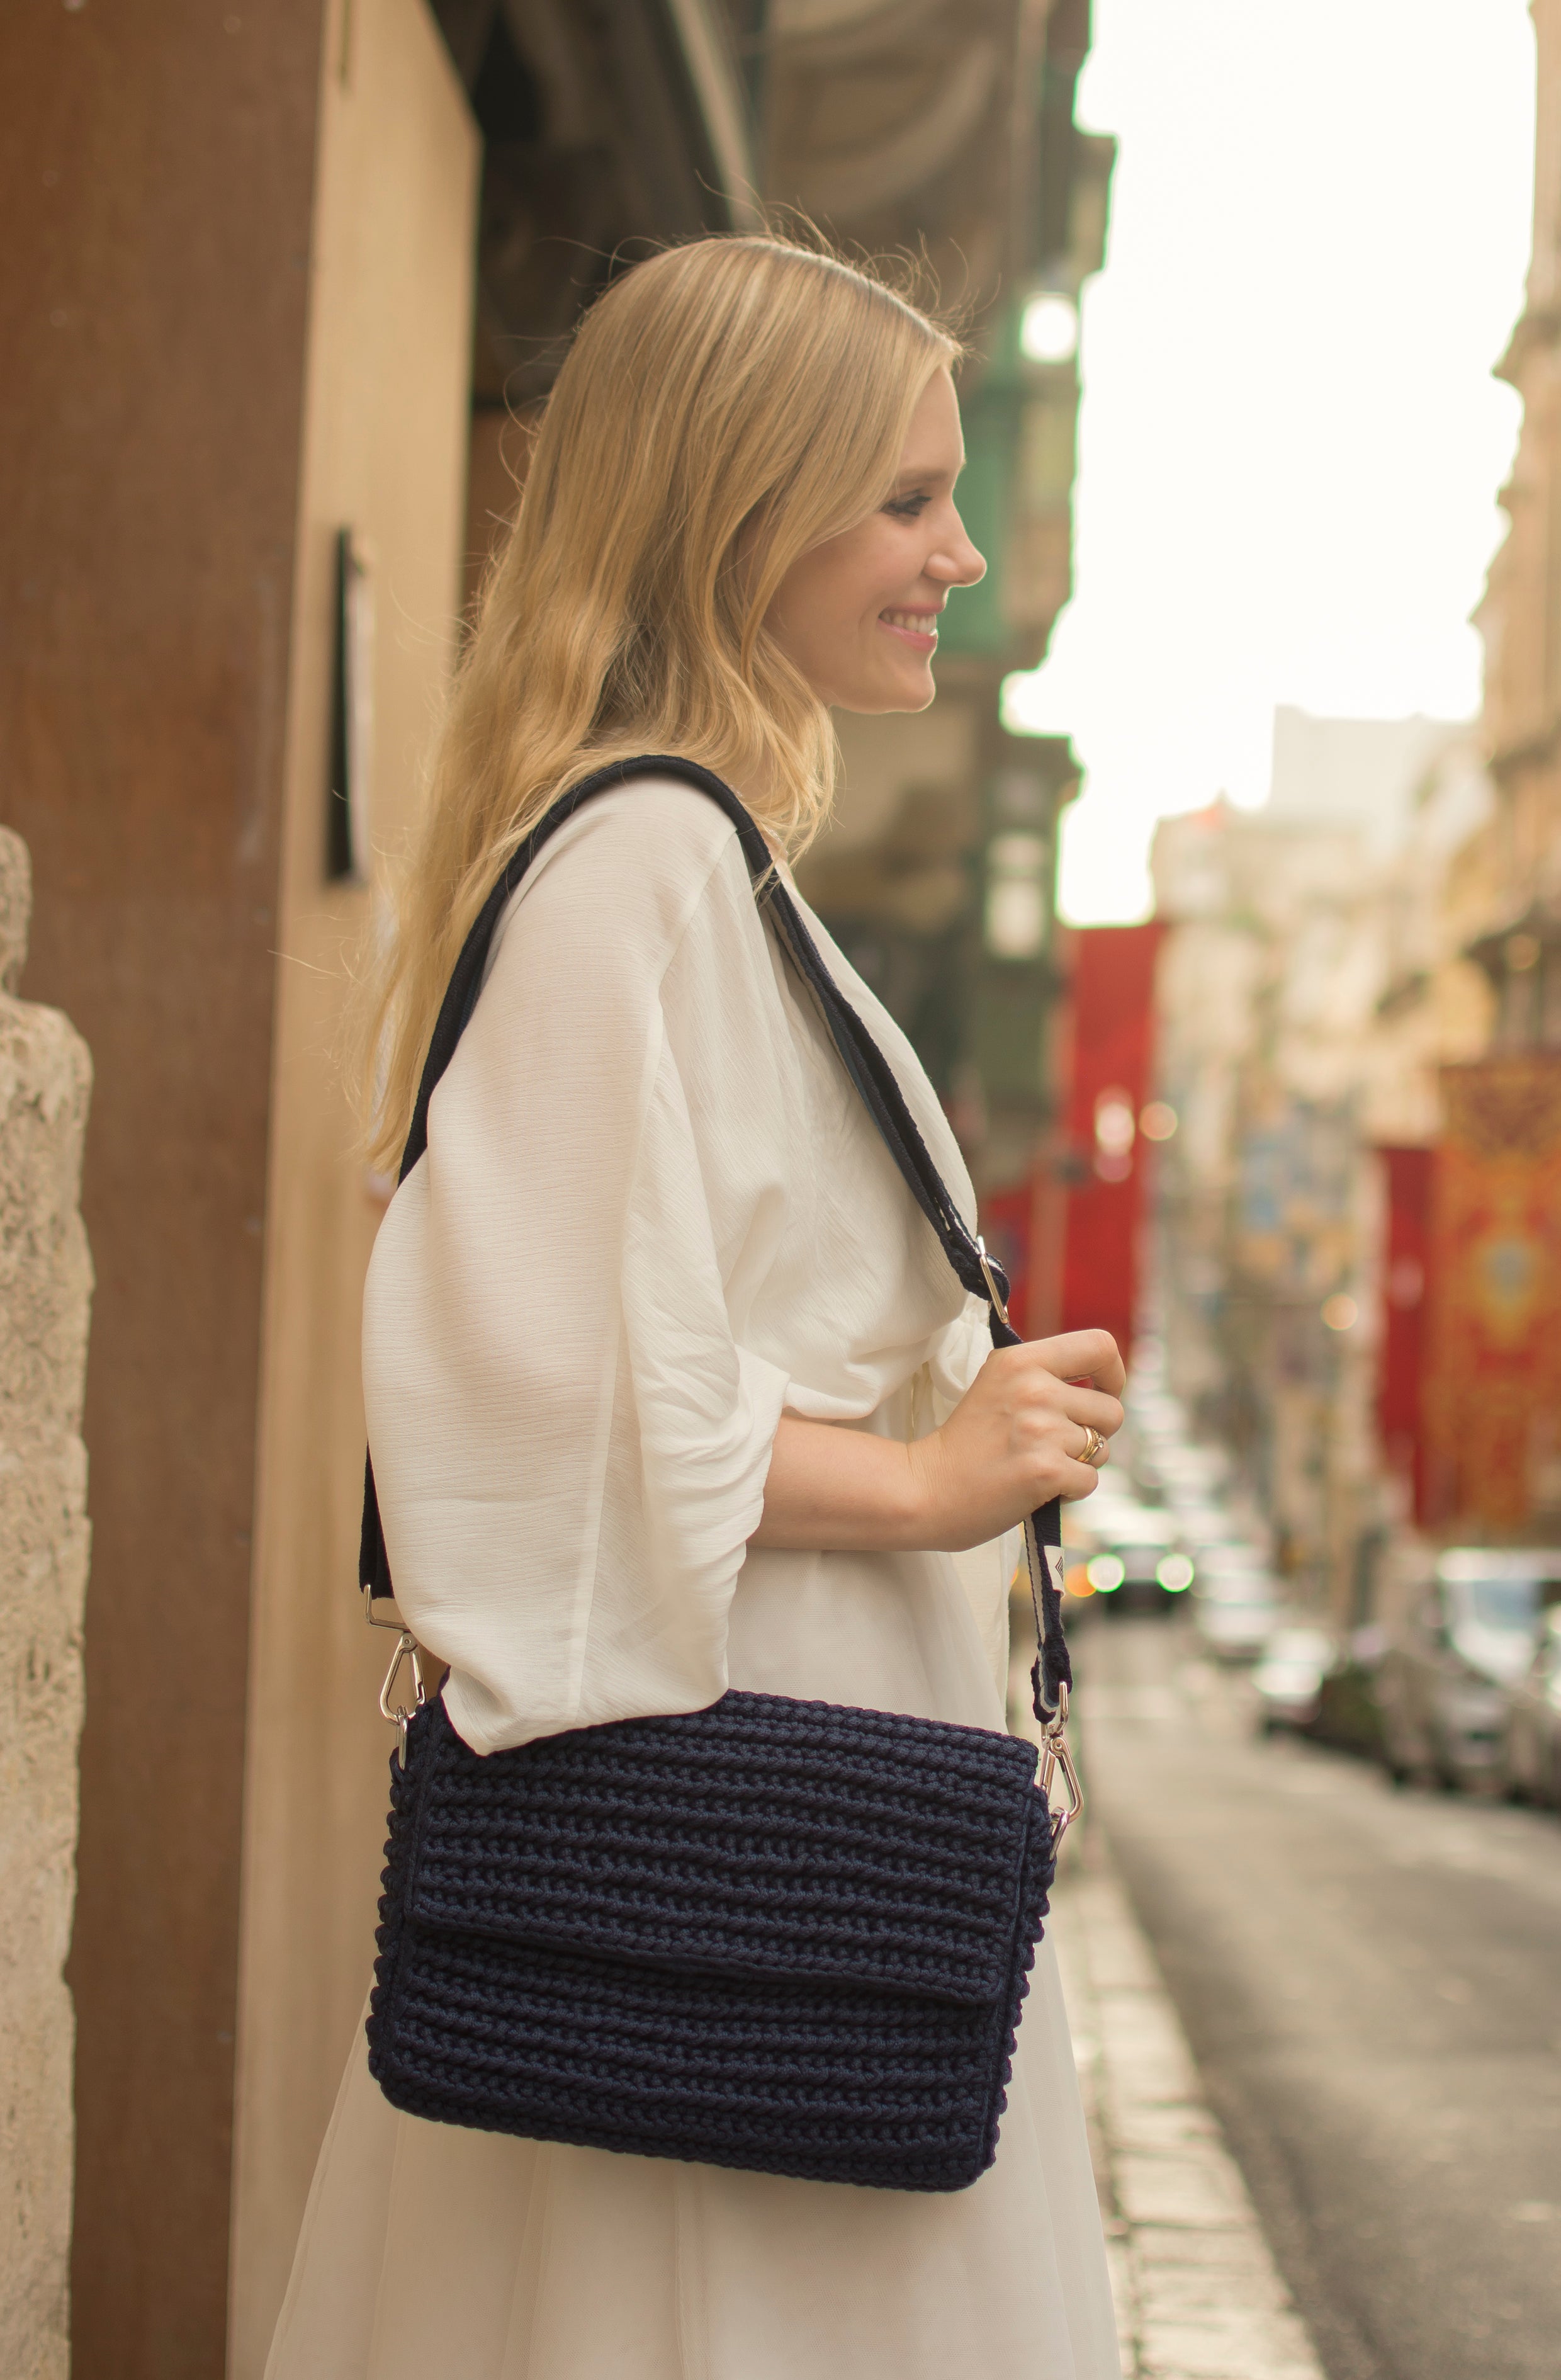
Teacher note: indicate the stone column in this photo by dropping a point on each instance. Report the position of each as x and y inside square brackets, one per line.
[45, 1292]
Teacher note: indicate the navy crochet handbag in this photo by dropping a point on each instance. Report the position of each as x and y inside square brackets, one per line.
[778, 1934]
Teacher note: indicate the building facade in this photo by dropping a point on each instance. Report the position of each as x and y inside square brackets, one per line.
[1312, 988]
[1518, 856]
[1491, 1395]
[1264, 989]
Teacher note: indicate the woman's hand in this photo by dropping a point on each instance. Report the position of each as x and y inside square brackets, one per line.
[1017, 1437]
[1013, 1442]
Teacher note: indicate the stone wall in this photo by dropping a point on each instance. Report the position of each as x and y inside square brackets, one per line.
[45, 1292]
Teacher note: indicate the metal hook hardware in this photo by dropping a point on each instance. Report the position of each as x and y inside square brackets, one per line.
[1000, 1304]
[402, 1714]
[1055, 1755]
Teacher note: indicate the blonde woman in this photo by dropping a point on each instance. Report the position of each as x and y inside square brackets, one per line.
[669, 1385]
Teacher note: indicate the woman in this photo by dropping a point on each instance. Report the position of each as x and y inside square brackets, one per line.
[669, 1385]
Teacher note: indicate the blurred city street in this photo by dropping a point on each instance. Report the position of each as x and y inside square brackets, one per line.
[1368, 1979]
[1217, 894]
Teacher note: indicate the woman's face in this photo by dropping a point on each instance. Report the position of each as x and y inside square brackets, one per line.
[858, 614]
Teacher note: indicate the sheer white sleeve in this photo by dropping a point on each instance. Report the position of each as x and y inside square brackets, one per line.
[570, 1440]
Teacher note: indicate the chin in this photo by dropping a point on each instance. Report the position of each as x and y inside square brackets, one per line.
[909, 694]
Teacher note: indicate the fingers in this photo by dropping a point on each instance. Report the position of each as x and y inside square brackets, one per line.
[1042, 1386]
[1092, 1410]
[1080, 1480]
[1094, 1448]
[1019, 1435]
[1083, 1354]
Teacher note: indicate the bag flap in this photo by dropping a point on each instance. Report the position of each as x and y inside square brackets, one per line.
[763, 1837]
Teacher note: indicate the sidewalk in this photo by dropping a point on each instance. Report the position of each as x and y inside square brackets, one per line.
[1198, 2295]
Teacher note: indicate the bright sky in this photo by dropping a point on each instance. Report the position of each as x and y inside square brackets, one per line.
[1291, 442]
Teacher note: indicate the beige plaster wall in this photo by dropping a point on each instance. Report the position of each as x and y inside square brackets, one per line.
[386, 427]
[45, 1292]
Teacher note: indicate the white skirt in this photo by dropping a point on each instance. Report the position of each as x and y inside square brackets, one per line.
[432, 2252]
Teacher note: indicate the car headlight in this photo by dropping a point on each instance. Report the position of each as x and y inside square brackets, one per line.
[1175, 1573]
[1106, 1574]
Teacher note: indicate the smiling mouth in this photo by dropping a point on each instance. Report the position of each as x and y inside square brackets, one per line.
[917, 628]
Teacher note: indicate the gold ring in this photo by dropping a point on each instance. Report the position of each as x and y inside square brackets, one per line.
[1095, 1447]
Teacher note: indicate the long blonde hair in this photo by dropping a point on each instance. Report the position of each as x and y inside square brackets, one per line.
[724, 408]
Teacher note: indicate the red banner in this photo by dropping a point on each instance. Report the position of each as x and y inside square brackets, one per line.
[1113, 1040]
[1493, 1390]
[1006, 1229]
[1406, 1259]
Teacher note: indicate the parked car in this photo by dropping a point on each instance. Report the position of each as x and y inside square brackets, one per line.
[1130, 1553]
[1089, 1528]
[1290, 1675]
[1349, 1713]
[1531, 1753]
[1235, 1607]
[1454, 1658]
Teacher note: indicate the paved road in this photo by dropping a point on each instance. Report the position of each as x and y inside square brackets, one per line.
[1372, 1984]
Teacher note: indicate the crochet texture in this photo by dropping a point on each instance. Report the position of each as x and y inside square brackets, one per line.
[779, 1935]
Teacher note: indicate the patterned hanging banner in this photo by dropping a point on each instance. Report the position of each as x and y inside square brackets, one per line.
[1492, 1400]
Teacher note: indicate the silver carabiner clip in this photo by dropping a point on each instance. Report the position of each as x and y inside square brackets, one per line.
[1054, 1756]
[402, 1714]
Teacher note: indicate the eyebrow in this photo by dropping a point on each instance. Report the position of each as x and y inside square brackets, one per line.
[932, 471]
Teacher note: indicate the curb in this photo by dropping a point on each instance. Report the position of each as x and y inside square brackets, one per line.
[1198, 2294]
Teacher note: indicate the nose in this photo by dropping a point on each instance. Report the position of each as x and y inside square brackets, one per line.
[957, 563]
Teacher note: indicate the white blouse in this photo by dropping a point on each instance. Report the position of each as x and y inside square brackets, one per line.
[653, 1215]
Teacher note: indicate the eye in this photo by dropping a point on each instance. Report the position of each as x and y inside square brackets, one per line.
[909, 507]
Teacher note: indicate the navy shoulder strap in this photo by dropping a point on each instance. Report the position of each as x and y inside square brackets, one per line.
[876, 1082]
